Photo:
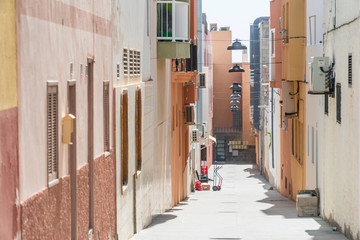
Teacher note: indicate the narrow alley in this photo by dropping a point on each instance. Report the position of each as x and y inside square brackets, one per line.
[244, 209]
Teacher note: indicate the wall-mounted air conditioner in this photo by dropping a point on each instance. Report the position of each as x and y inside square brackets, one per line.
[289, 99]
[202, 80]
[318, 67]
[195, 135]
[189, 115]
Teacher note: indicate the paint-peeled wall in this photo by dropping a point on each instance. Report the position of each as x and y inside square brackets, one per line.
[56, 41]
[9, 181]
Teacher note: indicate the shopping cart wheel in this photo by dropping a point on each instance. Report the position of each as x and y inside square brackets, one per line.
[215, 188]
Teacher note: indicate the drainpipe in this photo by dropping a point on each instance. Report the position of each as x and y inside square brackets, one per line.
[272, 127]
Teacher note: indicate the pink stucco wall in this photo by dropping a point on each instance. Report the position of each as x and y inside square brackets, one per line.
[9, 185]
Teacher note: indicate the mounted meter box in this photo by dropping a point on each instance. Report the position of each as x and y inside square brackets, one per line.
[289, 99]
[318, 82]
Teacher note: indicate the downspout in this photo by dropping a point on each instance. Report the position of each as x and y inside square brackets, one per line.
[272, 127]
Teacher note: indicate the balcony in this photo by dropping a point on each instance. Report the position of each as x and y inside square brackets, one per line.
[185, 70]
[173, 29]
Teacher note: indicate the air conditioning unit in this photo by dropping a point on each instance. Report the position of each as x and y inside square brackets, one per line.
[195, 136]
[289, 99]
[318, 76]
[189, 115]
[202, 80]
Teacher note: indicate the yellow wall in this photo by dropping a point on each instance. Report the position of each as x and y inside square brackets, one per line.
[8, 80]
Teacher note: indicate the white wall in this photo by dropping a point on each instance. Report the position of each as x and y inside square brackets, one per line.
[340, 198]
[153, 185]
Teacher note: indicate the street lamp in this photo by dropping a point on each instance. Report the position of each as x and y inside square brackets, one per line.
[236, 68]
[236, 45]
[235, 101]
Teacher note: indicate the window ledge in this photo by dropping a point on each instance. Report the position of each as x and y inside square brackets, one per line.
[107, 154]
[53, 183]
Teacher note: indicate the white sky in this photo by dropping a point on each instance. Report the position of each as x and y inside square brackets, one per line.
[238, 14]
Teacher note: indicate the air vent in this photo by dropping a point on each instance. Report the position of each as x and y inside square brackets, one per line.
[118, 71]
[126, 62]
[350, 70]
[202, 80]
[132, 63]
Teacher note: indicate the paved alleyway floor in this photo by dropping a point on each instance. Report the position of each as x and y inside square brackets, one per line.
[244, 209]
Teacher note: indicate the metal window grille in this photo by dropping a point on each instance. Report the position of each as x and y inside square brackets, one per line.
[106, 104]
[52, 132]
[338, 103]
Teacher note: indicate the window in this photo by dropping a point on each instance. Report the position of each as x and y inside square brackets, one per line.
[297, 140]
[138, 127]
[312, 30]
[124, 138]
[350, 70]
[106, 116]
[52, 131]
[338, 102]
[173, 20]
[273, 43]
[326, 104]
[118, 71]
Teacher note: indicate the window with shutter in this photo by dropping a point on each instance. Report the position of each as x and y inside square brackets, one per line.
[124, 138]
[106, 116]
[52, 131]
[138, 129]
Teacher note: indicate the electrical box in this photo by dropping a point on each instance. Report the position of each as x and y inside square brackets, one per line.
[318, 82]
[67, 128]
[289, 99]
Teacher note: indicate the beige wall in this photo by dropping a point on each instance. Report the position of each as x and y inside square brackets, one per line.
[46, 49]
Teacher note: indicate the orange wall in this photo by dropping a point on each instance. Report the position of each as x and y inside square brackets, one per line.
[178, 130]
[222, 59]
[245, 100]
[293, 69]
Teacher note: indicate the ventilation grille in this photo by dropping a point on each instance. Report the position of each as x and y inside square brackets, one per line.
[117, 71]
[202, 80]
[350, 70]
[126, 62]
[137, 63]
[132, 62]
[52, 132]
